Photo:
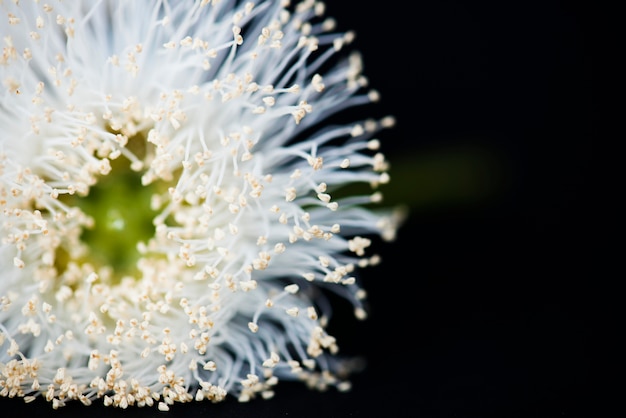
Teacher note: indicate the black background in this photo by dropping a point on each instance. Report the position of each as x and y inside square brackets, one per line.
[480, 308]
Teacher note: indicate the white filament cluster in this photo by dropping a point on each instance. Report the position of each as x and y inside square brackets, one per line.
[253, 216]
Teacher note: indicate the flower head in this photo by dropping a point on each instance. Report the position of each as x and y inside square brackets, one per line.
[175, 201]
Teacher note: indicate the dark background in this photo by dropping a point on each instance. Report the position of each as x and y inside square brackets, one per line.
[480, 308]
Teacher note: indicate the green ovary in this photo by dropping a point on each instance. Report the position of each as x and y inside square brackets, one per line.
[120, 207]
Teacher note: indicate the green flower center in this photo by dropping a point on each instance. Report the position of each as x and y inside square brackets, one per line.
[119, 205]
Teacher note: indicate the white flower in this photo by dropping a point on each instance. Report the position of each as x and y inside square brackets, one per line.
[174, 199]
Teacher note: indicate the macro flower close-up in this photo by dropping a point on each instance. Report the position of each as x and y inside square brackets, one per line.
[181, 205]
